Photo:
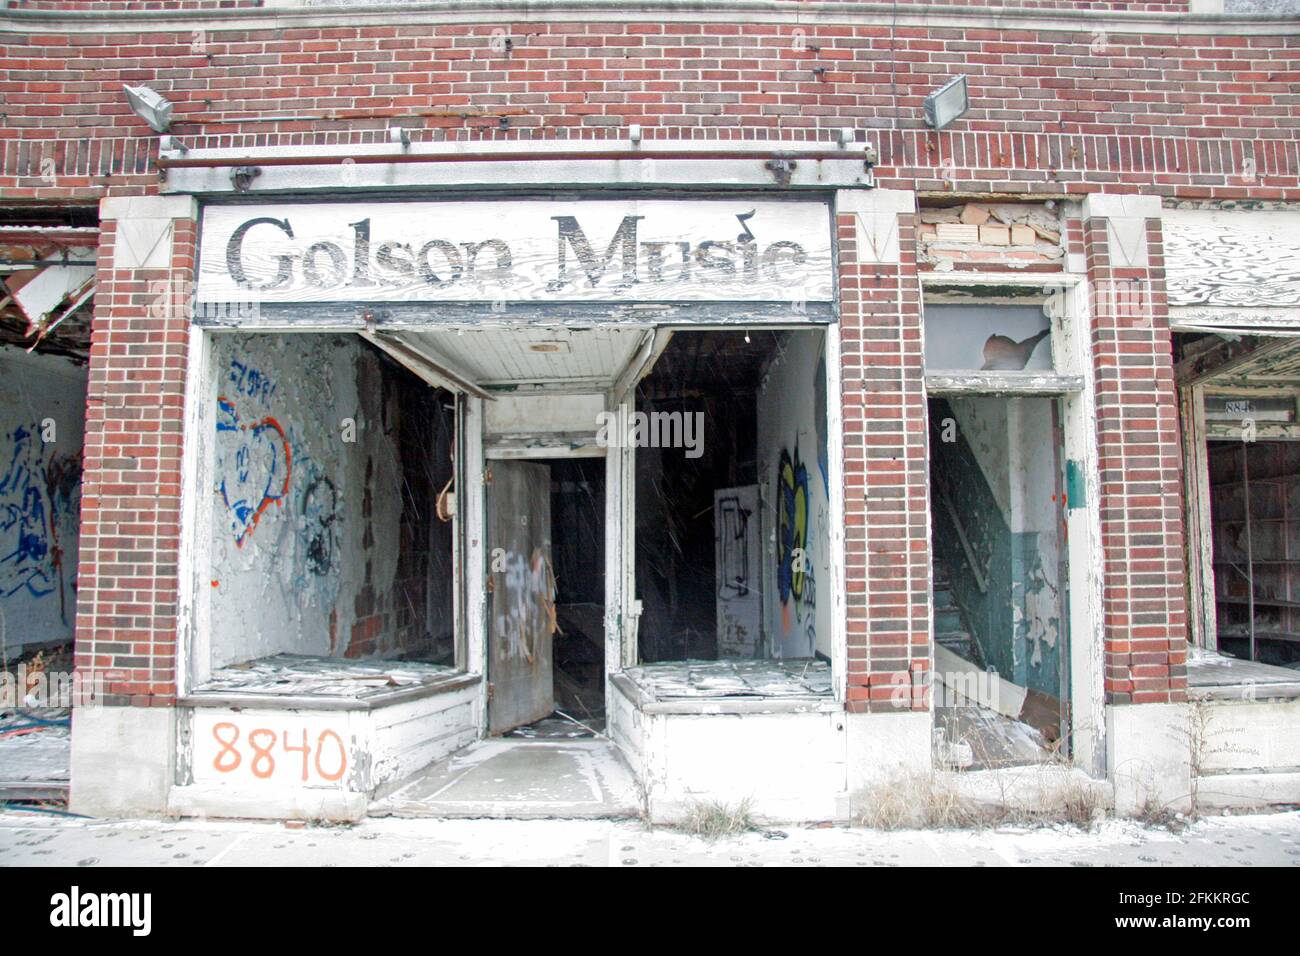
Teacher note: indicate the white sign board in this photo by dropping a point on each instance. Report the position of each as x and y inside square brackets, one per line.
[517, 251]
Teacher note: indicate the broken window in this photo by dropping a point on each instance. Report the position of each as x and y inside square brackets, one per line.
[1255, 519]
[987, 338]
[732, 492]
[332, 526]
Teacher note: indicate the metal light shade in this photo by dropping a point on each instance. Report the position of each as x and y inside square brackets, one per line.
[946, 104]
[150, 106]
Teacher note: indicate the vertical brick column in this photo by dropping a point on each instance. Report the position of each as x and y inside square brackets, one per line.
[886, 494]
[126, 613]
[1144, 600]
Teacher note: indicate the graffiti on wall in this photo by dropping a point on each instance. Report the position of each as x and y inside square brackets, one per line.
[320, 504]
[733, 548]
[525, 607]
[40, 506]
[796, 588]
[736, 546]
[254, 467]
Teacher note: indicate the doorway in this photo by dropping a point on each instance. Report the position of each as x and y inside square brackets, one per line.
[546, 637]
[999, 584]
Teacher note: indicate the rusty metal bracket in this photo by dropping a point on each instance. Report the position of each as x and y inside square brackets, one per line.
[241, 177]
[782, 170]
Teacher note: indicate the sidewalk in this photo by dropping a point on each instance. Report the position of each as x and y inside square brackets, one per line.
[29, 839]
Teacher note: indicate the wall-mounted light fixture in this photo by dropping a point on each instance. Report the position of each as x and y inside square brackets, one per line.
[151, 106]
[946, 105]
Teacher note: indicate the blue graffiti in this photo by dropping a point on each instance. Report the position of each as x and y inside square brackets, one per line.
[255, 468]
[249, 382]
[39, 511]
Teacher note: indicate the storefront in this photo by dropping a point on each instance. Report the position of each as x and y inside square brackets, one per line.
[389, 392]
[660, 369]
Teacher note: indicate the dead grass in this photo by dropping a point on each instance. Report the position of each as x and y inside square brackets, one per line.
[1154, 813]
[713, 820]
[924, 802]
[1081, 806]
[915, 802]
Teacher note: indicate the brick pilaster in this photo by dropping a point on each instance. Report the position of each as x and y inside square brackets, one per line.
[1143, 598]
[887, 547]
[130, 518]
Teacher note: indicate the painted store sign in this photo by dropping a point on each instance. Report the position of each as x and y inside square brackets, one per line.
[523, 251]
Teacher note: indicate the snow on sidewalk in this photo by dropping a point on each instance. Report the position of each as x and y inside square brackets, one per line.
[28, 839]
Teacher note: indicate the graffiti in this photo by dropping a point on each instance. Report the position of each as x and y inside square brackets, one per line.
[254, 465]
[320, 514]
[796, 587]
[736, 550]
[299, 761]
[40, 505]
[792, 526]
[248, 382]
[525, 605]
[733, 548]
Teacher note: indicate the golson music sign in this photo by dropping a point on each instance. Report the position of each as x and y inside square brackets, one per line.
[523, 251]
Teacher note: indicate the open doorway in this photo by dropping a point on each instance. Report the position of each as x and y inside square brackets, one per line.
[546, 638]
[43, 383]
[999, 587]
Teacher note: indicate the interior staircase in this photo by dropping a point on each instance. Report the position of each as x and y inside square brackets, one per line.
[950, 628]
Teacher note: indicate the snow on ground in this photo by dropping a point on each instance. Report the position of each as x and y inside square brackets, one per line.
[36, 839]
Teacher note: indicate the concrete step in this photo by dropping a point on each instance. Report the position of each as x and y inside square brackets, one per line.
[948, 619]
[961, 643]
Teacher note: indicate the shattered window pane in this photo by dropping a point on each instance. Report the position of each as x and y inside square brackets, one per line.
[988, 338]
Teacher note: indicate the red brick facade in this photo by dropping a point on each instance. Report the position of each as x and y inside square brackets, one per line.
[886, 475]
[1076, 106]
[1054, 110]
[1143, 593]
[130, 512]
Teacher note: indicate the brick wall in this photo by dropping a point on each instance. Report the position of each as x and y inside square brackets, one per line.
[1052, 109]
[887, 547]
[130, 506]
[1144, 591]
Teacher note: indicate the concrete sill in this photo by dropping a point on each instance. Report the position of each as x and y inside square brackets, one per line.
[1245, 693]
[256, 701]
